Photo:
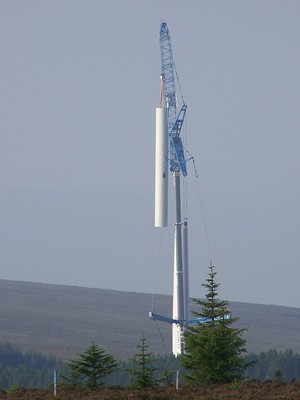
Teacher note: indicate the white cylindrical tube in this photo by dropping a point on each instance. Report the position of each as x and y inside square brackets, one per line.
[185, 261]
[161, 169]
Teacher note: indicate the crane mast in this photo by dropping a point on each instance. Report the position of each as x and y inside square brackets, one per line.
[177, 165]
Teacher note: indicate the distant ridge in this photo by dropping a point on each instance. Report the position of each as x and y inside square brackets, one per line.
[62, 320]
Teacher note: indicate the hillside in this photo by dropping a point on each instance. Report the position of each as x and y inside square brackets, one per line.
[63, 320]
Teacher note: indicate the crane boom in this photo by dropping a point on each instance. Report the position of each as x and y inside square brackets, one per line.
[167, 74]
[175, 122]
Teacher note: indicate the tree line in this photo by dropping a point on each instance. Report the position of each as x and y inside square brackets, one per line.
[26, 369]
[215, 352]
[34, 370]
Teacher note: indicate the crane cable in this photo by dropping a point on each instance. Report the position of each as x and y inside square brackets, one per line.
[178, 81]
[162, 338]
[185, 179]
[185, 189]
[162, 88]
[203, 211]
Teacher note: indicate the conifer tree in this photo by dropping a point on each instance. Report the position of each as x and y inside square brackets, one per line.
[142, 372]
[214, 349]
[91, 366]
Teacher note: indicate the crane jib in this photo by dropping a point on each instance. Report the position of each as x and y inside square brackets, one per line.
[176, 143]
[168, 74]
[178, 162]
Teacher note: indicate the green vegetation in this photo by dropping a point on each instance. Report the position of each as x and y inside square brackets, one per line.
[274, 365]
[164, 374]
[89, 369]
[142, 374]
[33, 370]
[29, 369]
[214, 349]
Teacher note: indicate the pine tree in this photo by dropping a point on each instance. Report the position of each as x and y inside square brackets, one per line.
[214, 349]
[142, 373]
[88, 370]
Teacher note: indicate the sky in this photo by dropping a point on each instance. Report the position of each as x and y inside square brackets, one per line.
[79, 87]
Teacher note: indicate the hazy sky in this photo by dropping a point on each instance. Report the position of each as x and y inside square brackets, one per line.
[79, 86]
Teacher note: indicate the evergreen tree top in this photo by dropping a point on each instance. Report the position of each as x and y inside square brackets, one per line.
[211, 307]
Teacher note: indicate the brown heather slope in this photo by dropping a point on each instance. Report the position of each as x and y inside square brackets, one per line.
[63, 320]
[245, 391]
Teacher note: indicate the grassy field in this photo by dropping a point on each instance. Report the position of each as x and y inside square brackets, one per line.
[63, 320]
[245, 391]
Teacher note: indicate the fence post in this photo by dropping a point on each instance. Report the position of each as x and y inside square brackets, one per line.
[55, 382]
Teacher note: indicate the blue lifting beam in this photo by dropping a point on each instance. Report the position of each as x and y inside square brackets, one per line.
[157, 317]
[200, 320]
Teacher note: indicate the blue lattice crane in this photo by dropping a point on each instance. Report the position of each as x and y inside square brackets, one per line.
[176, 160]
[169, 100]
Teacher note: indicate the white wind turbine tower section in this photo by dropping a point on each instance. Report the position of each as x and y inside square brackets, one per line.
[161, 169]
